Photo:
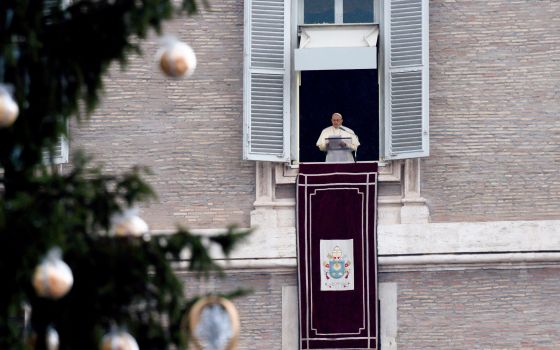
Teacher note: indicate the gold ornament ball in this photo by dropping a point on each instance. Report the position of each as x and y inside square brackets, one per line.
[177, 60]
[9, 110]
[131, 226]
[119, 341]
[52, 279]
[194, 325]
[53, 340]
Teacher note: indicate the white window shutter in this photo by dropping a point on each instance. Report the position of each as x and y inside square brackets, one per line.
[266, 96]
[405, 124]
[60, 152]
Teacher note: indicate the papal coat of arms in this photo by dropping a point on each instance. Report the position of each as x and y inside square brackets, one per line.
[337, 269]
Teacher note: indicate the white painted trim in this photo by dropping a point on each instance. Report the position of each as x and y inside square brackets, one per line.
[409, 208]
[415, 263]
[383, 76]
[335, 58]
[196, 231]
[388, 312]
[288, 32]
[279, 203]
[300, 11]
[425, 78]
[338, 12]
[290, 319]
[389, 171]
[456, 245]
[246, 75]
[469, 237]
[294, 83]
[320, 36]
[496, 258]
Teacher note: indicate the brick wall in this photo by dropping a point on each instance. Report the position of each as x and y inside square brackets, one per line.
[478, 309]
[260, 311]
[187, 131]
[494, 110]
[467, 310]
[494, 117]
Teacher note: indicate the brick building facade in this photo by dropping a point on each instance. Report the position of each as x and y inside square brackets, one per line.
[468, 237]
[494, 88]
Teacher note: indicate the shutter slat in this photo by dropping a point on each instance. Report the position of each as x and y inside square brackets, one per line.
[405, 19]
[267, 30]
[60, 152]
[266, 114]
[405, 96]
[405, 79]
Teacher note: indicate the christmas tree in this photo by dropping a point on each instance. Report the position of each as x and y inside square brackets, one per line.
[79, 224]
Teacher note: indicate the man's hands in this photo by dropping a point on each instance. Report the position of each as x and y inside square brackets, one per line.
[341, 144]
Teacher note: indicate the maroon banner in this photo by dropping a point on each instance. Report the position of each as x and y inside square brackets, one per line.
[337, 255]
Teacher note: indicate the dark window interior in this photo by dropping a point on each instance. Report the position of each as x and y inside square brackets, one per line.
[352, 93]
[318, 11]
[323, 11]
[357, 11]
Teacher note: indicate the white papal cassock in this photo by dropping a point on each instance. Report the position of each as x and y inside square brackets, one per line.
[341, 156]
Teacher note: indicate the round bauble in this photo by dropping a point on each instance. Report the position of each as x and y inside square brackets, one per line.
[53, 340]
[119, 340]
[129, 224]
[9, 109]
[177, 59]
[213, 323]
[52, 277]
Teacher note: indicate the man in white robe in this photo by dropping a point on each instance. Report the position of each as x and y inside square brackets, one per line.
[343, 152]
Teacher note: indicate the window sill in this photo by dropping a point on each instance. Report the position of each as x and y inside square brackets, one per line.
[337, 24]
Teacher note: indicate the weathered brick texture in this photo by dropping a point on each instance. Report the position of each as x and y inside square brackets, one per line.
[451, 310]
[494, 110]
[478, 309]
[189, 132]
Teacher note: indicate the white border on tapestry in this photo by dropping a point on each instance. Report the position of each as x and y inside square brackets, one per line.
[365, 322]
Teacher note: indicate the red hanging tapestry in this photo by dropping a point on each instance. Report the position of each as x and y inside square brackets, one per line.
[337, 255]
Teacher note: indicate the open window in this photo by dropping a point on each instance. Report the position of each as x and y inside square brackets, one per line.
[336, 11]
[353, 94]
[294, 62]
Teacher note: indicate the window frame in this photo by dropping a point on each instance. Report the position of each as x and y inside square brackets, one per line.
[338, 13]
[292, 22]
[295, 79]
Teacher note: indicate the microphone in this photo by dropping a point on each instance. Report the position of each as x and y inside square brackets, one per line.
[354, 153]
[346, 130]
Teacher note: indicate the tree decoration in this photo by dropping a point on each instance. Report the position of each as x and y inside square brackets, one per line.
[176, 59]
[213, 323]
[9, 109]
[129, 223]
[53, 340]
[56, 55]
[64, 4]
[118, 340]
[52, 278]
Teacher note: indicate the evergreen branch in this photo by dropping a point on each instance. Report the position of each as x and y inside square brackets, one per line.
[55, 59]
[229, 240]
